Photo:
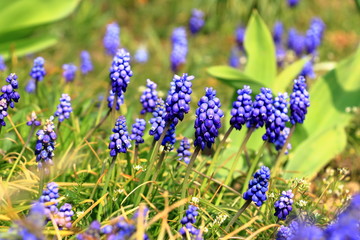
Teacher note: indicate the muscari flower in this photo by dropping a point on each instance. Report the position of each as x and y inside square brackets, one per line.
[137, 131]
[50, 195]
[262, 108]
[208, 119]
[119, 100]
[281, 140]
[296, 42]
[2, 63]
[299, 101]
[308, 70]
[63, 216]
[8, 91]
[33, 120]
[318, 26]
[30, 86]
[293, 3]
[3, 111]
[120, 72]
[278, 32]
[258, 186]
[196, 21]
[69, 72]
[92, 233]
[179, 97]
[300, 230]
[241, 108]
[149, 97]
[280, 55]
[284, 205]
[240, 37]
[189, 219]
[45, 145]
[234, 59]
[111, 39]
[284, 233]
[184, 151]
[169, 138]
[141, 55]
[38, 71]
[119, 140]
[64, 108]
[179, 48]
[276, 123]
[158, 120]
[86, 64]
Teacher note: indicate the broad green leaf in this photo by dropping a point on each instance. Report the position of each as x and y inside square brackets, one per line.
[232, 77]
[260, 49]
[21, 14]
[314, 153]
[25, 46]
[288, 75]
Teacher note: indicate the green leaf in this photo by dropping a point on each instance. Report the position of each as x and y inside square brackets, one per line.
[25, 46]
[21, 14]
[288, 75]
[259, 46]
[232, 77]
[314, 153]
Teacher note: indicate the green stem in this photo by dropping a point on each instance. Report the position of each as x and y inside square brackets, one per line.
[41, 183]
[136, 150]
[157, 170]
[280, 158]
[232, 169]
[237, 215]
[107, 181]
[98, 125]
[21, 153]
[216, 157]
[185, 184]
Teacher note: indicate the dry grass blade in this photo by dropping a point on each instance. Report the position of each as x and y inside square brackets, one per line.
[166, 211]
[15, 129]
[261, 230]
[236, 231]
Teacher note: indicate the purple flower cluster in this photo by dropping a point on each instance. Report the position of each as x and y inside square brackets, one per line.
[296, 42]
[2, 63]
[169, 138]
[119, 100]
[314, 35]
[149, 97]
[308, 70]
[64, 108]
[38, 71]
[63, 216]
[3, 112]
[45, 145]
[284, 205]
[281, 140]
[179, 48]
[293, 3]
[196, 21]
[240, 37]
[278, 32]
[188, 220]
[179, 97]
[242, 108]
[299, 230]
[141, 55]
[258, 186]
[120, 72]
[208, 119]
[158, 120]
[299, 101]
[86, 64]
[137, 131]
[119, 140]
[50, 195]
[111, 39]
[234, 59]
[262, 108]
[9, 91]
[69, 72]
[92, 233]
[33, 120]
[184, 151]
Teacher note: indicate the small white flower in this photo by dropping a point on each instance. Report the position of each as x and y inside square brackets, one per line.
[138, 167]
[301, 203]
[204, 229]
[195, 200]
[220, 219]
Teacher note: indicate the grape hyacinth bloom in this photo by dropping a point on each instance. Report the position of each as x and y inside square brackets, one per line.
[280, 55]
[111, 98]
[234, 59]
[179, 48]
[2, 63]
[120, 72]
[240, 37]
[86, 64]
[184, 151]
[63, 216]
[149, 97]
[300, 230]
[92, 233]
[64, 108]
[196, 21]
[111, 39]
[3, 112]
[50, 195]
[38, 71]
[30, 86]
[258, 186]
[8, 91]
[137, 132]
[299, 101]
[276, 123]
[308, 70]
[33, 120]
[242, 108]
[119, 140]
[141, 55]
[318, 26]
[208, 119]
[189, 219]
[45, 145]
[296, 42]
[179, 97]
[284, 233]
[262, 109]
[169, 139]
[293, 3]
[281, 140]
[278, 32]
[284, 205]
[158, 120]
[69, 72]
